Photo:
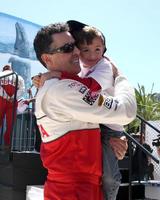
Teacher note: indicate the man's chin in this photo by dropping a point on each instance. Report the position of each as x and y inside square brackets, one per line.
[76, 70]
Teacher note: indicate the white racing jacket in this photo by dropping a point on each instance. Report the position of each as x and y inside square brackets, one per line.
[65, 105]
[68, 116]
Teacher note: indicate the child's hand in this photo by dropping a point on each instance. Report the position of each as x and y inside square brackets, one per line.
[39, 80]
[44, 77]
[36, 81]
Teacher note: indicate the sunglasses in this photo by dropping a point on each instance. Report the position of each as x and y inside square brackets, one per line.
[67, 48]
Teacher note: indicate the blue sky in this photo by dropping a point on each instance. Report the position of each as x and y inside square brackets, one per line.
[131, 28]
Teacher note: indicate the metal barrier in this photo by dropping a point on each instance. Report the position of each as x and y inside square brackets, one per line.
[142, 149]
[25, 135]
[18, 132]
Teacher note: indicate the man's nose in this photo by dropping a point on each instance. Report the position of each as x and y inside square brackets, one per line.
[76, 50]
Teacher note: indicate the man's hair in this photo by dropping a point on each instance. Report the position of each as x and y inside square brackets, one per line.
[44, 38]
[87, 34]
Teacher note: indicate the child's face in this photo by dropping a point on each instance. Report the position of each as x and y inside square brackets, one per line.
[91, 54]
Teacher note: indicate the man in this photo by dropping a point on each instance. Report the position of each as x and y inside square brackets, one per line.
[68, 113]
[8, 106]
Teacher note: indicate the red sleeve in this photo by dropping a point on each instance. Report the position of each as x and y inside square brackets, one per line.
[91, 83]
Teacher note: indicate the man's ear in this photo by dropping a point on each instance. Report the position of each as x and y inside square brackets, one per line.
[46, 59]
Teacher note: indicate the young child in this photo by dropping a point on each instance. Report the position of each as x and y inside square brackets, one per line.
[91, 44]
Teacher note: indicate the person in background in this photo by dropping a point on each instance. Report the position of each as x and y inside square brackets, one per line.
[142, 167]
[8, 103]
[68, 112]
[158, 150]
[91, 43]
[26, 103]
[156, 143]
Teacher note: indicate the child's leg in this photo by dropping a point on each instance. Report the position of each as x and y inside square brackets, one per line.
[111, 174]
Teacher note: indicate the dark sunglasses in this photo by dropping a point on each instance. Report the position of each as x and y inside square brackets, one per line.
[67, 48]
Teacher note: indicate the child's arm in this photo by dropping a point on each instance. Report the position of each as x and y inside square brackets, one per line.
[88, 81]
[39, 80]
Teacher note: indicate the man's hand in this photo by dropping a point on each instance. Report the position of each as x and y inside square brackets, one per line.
[36, 81]
[114, 68]
[115, 71]
[119, 146]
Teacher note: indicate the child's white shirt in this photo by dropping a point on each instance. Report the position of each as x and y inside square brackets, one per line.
[103, 74]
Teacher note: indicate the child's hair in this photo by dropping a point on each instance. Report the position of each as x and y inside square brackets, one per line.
[86, 36]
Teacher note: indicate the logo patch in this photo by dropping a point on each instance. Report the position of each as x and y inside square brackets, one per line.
[108, 102]
[83, 89]
[75, 84]
[117, 102]
[100, 100]
[43, 131]
[90, 97]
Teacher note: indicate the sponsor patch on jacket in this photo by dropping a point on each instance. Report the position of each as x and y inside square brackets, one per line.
[90, 97]
[8, 81]
[108, 102]
[116, 102]
[43, 131]
[100, 100]
[83, 89]
[74, 84]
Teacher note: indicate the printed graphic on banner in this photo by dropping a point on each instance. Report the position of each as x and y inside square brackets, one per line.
[16, 47]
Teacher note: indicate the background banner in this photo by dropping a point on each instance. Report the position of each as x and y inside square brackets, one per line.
[16, 46]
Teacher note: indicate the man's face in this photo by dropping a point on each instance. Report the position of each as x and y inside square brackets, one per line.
[61, 61]
[92, 53]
